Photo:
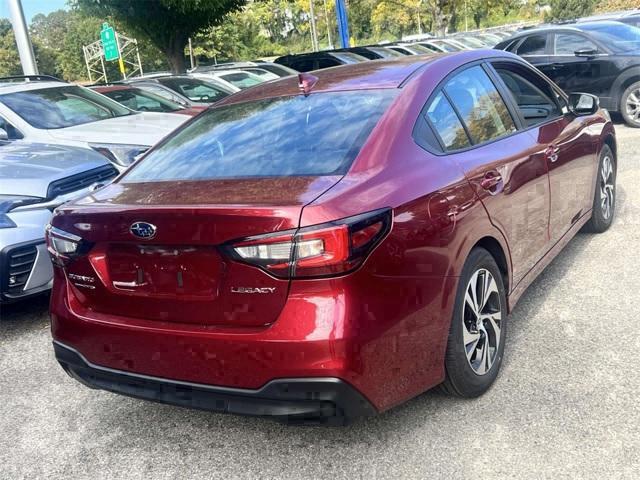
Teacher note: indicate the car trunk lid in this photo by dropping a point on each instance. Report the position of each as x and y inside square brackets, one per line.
[157, 262]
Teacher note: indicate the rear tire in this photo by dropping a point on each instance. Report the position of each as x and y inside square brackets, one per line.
[604, 197]
[630, 105]
[478, 328]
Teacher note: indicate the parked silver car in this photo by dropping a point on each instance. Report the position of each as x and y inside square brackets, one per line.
[34, 180]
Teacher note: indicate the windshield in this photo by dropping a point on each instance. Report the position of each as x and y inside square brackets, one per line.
[385, 52]
[348, 57]
[320, 134]
[195, 89]
[241, 80]
[137, 99]
[419, 48]
[619, 37]
[60, 107]
[444, 45]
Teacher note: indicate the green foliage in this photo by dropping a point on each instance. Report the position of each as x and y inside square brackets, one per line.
[167, 24]
[570, 9]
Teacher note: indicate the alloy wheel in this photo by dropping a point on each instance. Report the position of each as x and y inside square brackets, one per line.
[606, 187]
[633, 105]
[481, 321]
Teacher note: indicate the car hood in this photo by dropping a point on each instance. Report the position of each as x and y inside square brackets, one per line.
[29, 168]
[139, 129]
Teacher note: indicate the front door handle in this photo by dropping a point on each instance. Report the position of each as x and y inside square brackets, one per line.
[491, 180]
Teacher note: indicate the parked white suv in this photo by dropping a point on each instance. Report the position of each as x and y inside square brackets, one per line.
[46, 110]
[35, 179]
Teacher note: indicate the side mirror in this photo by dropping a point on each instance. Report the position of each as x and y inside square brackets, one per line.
[583, 104]
[3, 134]
[586, 52]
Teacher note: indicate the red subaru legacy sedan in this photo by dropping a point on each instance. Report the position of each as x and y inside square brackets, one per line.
[328, 246]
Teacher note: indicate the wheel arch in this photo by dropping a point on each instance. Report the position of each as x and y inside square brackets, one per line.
[624, 80]
[494, 247]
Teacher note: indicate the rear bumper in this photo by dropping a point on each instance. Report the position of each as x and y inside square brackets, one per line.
[287, 399]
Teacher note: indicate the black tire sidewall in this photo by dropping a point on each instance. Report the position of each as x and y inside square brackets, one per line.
[623, 105]
[459, 374]
[598, 222]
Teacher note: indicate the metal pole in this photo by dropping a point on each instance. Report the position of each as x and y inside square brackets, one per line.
[314, 33]
[138, 55]
[191, 53]
[326, 16]
[104, 70]
[25, 49]
[343, 24]
[120, 61]
[86, 62]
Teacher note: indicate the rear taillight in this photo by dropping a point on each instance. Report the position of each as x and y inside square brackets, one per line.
[332, 248]
[64, 246]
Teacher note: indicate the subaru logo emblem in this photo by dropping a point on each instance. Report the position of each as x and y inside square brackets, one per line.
[143, 230]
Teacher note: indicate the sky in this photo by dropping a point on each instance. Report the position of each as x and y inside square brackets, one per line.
[33, 7]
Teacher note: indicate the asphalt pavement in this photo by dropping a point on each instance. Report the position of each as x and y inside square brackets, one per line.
[566, 404]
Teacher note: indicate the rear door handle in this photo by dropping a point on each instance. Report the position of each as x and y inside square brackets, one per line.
[491, 180]
[552, 153]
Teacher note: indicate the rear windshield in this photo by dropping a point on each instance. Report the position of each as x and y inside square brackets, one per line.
[195, 89]
[61, 107]
[320, 134]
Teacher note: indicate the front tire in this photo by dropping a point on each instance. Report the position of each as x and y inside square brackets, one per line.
[478, 328]
[604, 199]
[630, 105]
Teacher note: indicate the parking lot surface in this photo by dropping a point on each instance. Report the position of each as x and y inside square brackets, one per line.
[565, 404]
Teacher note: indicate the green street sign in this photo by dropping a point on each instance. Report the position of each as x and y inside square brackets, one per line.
[109, 42]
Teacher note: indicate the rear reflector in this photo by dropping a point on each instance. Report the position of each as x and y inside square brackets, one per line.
[332, 248]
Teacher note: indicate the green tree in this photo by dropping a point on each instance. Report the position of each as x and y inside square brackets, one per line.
[570, 9]
[168, 24]
[9, 59]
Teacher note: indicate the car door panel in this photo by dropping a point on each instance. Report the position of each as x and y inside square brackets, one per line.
[518, 205]
[570, 154]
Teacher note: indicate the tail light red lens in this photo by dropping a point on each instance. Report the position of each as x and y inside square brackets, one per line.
[323, 250]
[64, 246]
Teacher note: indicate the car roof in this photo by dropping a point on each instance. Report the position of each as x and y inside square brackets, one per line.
[373, 74]
[10, 87]
[110, 88]
[552, 27]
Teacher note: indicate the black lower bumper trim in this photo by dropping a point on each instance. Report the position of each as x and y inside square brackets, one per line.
[325, 400]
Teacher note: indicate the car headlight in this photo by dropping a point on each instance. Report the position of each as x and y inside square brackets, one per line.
[9, 202]
[123, 155]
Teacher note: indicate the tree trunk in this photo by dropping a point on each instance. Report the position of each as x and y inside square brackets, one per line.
[175, 53]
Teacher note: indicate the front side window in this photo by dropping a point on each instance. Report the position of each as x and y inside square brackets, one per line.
[480, 106]
[61, 107]
[533, 97]
[319, 134]
[569, 43]
[533, 45]
[619, 37]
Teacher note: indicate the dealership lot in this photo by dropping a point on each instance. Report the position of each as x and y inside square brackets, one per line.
[565, 405]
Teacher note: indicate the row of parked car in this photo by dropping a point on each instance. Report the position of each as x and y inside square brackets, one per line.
[60, 140]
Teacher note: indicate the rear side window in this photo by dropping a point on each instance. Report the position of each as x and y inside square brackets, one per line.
[447, 124]
[533, 45]
[480, 106]
[320, 134]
